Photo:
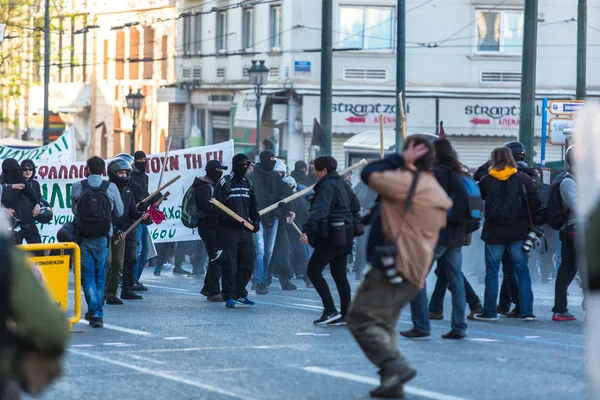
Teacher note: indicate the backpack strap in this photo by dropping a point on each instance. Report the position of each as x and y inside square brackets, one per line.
[411, 192]
[85, 185]
[104, 187]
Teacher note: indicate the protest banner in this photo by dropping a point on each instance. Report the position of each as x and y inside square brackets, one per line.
[56, 181]
[62, 150]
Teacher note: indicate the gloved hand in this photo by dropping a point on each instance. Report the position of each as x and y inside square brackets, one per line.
[143, 206]
[256, 227]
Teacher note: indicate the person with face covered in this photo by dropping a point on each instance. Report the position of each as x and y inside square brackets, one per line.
[204, 192]
[235, 240]
[29, 209]
[16, 188]
[269, 189]
[122, 255]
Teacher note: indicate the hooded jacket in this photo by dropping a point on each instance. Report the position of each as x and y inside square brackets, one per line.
[269, 189]
[499, 232]
[204, 192]
[454, 234]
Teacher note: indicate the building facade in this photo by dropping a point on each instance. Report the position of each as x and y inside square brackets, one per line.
[463, 68]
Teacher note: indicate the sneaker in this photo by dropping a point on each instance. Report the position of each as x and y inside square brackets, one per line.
[477, 309]
[454, 335]
[503, 311]
[261, 289]
[114, 300]
[529, 318]
[139, 287]
[327, 318]
[204, 291]
[216, 298]
[180, 271]
[288, 286]
[564, 316]
[415, 334]
[436, 315]
[338, 322]
[229, 303]
[244, 302]
[219, 252]
[130, 296]
[157, 272]
[514, 314]
[96, 323]
[481, 317]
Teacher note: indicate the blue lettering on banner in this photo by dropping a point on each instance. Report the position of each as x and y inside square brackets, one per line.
[302, 66]
[573, 107]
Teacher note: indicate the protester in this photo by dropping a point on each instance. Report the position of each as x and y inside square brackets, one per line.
[139, 176]
[95, 204]
[236, 192]
[507, 225]
[15, 188]
[330, 231]
[411, 200]
[29, 210]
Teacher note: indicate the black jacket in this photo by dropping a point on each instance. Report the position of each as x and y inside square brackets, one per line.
[204, 192]
[130, 214]
[26, 205]
[141, 180]
[453, 235]
[238, 195]
[269, 189]
[12, 198]
[333, 199]
[484, 170]
[497, 233]
[302, 178]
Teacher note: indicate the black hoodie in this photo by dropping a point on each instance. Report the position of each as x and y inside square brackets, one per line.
[204, 191]
[269, 189]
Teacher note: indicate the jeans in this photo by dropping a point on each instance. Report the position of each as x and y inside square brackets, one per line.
[509, 291]
[449, 259]
[436, 304]
[94, 253]
[142, 250]
[264, 243]
[518, 258]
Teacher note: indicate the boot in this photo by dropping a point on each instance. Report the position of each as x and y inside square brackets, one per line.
[394, 375]
[130, 295]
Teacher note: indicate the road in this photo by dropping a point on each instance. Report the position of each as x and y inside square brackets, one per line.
[176, 345]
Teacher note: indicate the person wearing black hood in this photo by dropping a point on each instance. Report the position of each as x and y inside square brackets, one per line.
[122, 255]
[269, 189]
[207, 225]
[139, 176]
[15, 188]
[234, 239]
[300, 175]
[29, 209]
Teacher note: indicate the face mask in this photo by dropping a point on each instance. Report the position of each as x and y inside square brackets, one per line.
[214, 174]
[141, 166]
[239, 170]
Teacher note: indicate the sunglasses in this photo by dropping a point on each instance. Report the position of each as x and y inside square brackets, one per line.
[27, 170]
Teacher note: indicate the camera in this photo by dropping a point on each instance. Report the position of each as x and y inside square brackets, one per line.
[532, 238]
[385, 259]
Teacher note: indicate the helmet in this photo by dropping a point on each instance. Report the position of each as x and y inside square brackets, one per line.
[517, 149]
[127, 157]
[67, 233]
[291, 182]
[45, 215]
[116, 165]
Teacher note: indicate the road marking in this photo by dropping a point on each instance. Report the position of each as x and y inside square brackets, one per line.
[308, 306]
[482, 340]
[168, 288]
[166, 376]
[145, 359]
[120, 329]
[375, 382]
[176, 338]
[312, 334]
[118, 344]
[82, 345]
[283, 346]
[532, 337]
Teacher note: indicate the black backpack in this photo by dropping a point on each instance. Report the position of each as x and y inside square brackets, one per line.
[556, 214]
[504, 201]
[93, 211]
[467, 206]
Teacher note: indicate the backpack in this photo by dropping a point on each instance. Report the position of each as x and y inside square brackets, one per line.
[504, 202]
[94, 211]
[556, 214]
[468, 205]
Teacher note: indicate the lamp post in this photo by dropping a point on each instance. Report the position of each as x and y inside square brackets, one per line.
[134, 102]
[259, 74]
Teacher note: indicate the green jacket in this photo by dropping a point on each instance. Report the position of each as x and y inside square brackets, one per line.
[39, 323]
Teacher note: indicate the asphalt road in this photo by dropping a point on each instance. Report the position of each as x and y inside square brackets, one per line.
[175, 345]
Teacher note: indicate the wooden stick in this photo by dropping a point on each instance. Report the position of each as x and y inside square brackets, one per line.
[296, 228]
[308, 189]
[232, 214]
[166, 185]
[381, 146]
[402, 115]
[165, 161]
[310, 146]
[139, 220]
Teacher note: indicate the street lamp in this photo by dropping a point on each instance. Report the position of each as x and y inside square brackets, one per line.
[134, 102]
[259, 74]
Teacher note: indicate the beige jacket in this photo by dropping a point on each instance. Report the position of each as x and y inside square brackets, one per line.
[415, 233]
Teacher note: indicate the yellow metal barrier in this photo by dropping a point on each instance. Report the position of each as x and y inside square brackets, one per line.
[55, 273]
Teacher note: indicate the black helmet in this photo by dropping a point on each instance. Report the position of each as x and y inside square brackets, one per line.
[67, 233]
[46, 214]
[517, 149]
[127, 157]
[116, 165]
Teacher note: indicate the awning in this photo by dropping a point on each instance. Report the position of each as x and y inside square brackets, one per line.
[370, 141]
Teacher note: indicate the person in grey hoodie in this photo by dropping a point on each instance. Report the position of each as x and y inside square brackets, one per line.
[569, 193]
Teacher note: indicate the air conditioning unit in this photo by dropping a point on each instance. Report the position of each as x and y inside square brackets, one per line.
[500, 77]
[365, 74]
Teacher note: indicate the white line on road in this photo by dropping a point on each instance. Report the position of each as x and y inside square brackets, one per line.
[307, 306]
[284, 346]
[120, 329]
[166, 376]
[168, 288]
[176, 338]
[372, 381]
[82, 345]
[532, 337]
[312, 334]
[482, 340]
[146, 359]
[118, 344]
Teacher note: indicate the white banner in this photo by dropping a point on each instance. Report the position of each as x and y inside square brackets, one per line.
[62, 150]
[56, 181]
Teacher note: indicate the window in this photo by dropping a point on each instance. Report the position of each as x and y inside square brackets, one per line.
[105, 64]
[248, 28]
[499, 31]
[369, 28]
[187, 36]
[275, 22]
[164, 64]
[222, 31]
[198, 34]
[120, 59]
[134, 53]
[148, 52]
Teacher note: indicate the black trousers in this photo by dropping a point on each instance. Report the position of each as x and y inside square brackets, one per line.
[129, 262]
[213, 272]
[237, 262]
[509, 291]
[336, 258]
[164, 251]
[566, 272]
[281, 260]
[31, 235]
[298, 252]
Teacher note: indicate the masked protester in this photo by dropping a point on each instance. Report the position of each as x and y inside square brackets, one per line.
[234, 239]
[15, 188]
[29, 210]
[207, 226]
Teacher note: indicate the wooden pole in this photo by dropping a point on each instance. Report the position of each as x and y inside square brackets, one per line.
[381, 146]
[310, 146]
[296, 228]
[165, 161]
[308, 189]
[139, 220]
[232, 214]
[166, 185]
